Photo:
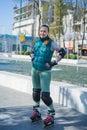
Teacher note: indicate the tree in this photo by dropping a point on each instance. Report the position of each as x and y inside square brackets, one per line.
[57, 26]
[45, 13]
[80, 14]
[83, 11]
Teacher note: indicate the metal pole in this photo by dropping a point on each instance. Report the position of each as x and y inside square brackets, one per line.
[33, 25]
[20, 24]
[20, 10]
[35, 8]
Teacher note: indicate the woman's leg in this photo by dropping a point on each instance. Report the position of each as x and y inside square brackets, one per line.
[36, 96]
[36, 86]
[45, 79]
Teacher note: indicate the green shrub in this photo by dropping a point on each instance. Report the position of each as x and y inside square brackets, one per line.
[71, 56]
[22, 52]
[26, 53]
[65, 56]
[17, 52]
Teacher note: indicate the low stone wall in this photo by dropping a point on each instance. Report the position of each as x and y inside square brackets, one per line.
[64, 94]
[74, 97]
[16, 81]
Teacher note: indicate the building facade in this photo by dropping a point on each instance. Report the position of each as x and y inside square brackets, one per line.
[13, 43]
[7, 43]
[75, 33]
[28, 17]
[25, 20]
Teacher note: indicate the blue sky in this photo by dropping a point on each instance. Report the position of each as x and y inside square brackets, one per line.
[6, 15]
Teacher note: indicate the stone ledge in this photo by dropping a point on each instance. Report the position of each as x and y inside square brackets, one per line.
[73, 97]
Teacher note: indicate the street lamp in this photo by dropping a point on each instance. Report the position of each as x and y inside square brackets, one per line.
[20, 17]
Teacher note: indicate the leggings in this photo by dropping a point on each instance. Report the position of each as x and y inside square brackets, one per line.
[41, 80]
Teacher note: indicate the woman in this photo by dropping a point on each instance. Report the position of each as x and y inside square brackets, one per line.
[41, 73]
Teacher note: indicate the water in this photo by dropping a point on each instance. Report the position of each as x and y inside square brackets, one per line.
[64, 73]
[70, 74]
[15, 66]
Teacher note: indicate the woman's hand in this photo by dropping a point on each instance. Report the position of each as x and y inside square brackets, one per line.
[47, 64]
[51, 64]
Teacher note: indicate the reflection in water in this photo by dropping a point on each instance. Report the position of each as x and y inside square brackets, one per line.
[22, 67]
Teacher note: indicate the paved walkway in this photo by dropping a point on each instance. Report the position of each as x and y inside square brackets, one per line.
[16, 107]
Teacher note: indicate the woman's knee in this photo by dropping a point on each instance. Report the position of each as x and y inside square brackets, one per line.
[46, 98]
[36, 94]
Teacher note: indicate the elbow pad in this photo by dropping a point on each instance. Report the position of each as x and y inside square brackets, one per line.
[62, 52]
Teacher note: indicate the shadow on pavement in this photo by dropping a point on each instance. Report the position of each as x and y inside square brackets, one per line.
[71, 119]
[17, 118]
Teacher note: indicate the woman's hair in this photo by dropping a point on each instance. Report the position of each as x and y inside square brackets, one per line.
[45, 26]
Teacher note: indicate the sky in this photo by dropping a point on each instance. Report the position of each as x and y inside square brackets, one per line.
[6, 16]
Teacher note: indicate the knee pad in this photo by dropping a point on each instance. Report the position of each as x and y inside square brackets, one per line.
[46, 98]
[36, 94]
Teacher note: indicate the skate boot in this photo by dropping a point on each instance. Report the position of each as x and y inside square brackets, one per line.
[36, 116]
[49, 121]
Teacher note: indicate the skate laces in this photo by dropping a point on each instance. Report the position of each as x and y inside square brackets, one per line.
[48, 119]
[35, 113]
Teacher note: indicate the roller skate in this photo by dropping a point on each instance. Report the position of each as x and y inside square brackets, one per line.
[36, 116]
[49, 121]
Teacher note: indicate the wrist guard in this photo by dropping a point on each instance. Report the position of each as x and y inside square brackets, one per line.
[53, 63]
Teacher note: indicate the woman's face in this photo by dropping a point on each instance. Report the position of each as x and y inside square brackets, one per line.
[43, 32]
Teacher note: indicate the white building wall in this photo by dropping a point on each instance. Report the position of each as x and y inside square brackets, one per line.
[68, 22]
[25, 24]
[26, 27]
